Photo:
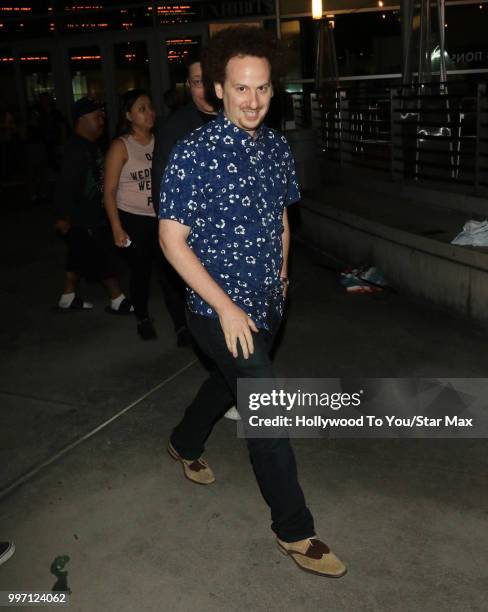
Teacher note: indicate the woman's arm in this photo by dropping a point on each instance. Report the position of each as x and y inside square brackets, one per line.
[114, 162]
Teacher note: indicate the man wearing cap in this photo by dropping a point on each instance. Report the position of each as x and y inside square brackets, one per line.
[80, 213]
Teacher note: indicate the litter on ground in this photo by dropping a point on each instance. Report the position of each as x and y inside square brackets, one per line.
[363, 280]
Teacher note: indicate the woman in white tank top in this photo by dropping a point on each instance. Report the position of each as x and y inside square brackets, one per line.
[128, 201]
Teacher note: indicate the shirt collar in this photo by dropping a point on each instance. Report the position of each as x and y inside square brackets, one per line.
[237, 136]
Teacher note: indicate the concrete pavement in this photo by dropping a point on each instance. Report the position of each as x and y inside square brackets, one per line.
[407, 516]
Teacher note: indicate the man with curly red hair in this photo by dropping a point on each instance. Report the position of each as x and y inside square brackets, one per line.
[224, 228]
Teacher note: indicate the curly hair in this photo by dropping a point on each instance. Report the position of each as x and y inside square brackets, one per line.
[239, 41]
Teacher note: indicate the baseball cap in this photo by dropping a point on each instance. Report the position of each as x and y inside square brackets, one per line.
[83, 106]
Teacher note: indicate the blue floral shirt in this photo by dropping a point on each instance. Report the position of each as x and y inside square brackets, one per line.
[231, 189]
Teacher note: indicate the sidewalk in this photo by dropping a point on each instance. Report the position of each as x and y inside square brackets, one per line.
[407, 516]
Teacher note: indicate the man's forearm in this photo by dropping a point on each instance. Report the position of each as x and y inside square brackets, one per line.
[189, 267]
[235, 323]
[285, 239]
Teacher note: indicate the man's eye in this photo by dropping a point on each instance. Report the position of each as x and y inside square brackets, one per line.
[241, 88]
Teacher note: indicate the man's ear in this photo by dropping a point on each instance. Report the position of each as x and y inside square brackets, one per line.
[219, 91]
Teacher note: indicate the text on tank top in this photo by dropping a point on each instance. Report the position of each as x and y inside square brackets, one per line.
[134, 191]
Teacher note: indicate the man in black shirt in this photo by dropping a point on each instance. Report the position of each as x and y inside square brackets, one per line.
[167, 132]
[80, 213]
[179, 124]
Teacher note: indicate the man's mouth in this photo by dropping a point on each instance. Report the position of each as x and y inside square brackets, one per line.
[251, 113]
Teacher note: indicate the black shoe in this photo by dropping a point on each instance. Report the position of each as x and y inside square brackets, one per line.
[183, 337]
[77, 305]
[7, 549]
[125, 308]
[146, 330]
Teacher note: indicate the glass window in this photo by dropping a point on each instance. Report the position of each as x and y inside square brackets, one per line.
[86, 17]
[37, 74]
[290, 35]
[7, 78]
[86, 72]
[290, 7]
[368, 43]
[131, 66]
[178, 50]
[466, 39]
[176, 13]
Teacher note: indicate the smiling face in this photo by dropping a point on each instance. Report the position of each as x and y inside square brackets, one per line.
[141, 114]
[246, 91]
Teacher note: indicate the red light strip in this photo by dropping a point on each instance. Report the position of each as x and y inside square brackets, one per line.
[81, 58]
[179, 41]
[73, 26]
[15, 9]
[34, 58]
[83, 7]
[26, 58]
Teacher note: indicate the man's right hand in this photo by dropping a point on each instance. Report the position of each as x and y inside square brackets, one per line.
[236, 325]
[120, 237]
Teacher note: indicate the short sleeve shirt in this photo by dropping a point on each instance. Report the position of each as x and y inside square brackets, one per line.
[231, 189]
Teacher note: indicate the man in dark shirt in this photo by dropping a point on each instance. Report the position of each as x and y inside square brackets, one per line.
[224, 227]
[167, 132]
[180, 123]
[80, 213]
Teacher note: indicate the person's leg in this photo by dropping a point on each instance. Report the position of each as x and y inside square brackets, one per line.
[112, 287]
[70, 282]
[98, 267]
[172, 288]
[211, 401]
[68, 300]
[272, 459]
[139, 259]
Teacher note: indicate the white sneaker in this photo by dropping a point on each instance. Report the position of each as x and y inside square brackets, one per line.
[232, 414]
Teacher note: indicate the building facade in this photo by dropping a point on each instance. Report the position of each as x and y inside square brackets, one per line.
[104, 47]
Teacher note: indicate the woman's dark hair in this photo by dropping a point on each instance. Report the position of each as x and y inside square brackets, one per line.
[239, 41]
[127, 101]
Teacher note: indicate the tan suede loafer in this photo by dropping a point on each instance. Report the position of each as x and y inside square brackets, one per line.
[196, 470]
[314, 556]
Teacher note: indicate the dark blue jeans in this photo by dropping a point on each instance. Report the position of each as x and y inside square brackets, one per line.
[273, 460]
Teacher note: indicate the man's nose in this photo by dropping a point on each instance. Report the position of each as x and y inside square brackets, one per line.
[253, 99]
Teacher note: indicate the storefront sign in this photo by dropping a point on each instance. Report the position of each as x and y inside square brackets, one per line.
[235, 8]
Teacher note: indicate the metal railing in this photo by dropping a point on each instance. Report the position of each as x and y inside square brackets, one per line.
[425, 133]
